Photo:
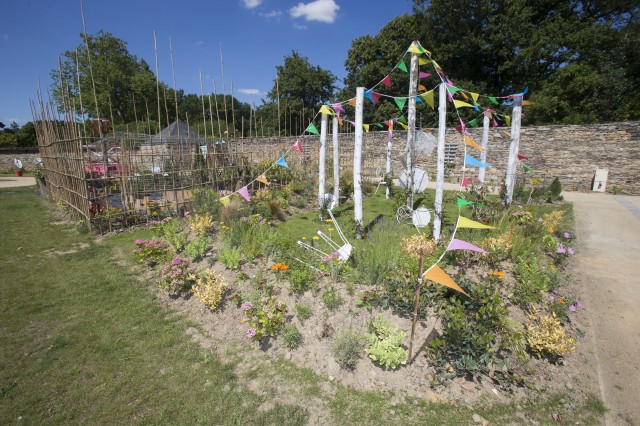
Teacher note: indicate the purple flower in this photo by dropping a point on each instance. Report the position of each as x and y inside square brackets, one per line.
[246, 306]
[571, 251]
[572, 308]
[567, 234]
[579, 305]
[140, 242]
[561, 249]
[555, 292]
[552, 298]
[251, 333]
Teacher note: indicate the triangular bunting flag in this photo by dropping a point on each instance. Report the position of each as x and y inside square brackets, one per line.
[474, 96]
[400, 102]
[366, 128]
[297, 146]
[379, 125]
[461, 104]
[282, 162]
[526, 169]
[495, 123]
[465, 182]
[453, 89]
[419, 100]
[471, 142]
[414, 48]
[473, 123]
[326, 110]
[463, 222]
[401, 119]
[522, 157]
[470, 161]
[527, 103]
[404, 126]
[312, 129]
[339, 120]
[402, 66]
[387, 81]
[456, 244]
[422, 74]
[463, 202]
[428, 98]
[244, 191]
[506, 134]
[421, 88]
[337, 108]
[352, 102]
[367, 94]
[437, 275]
[507, 118]
[493, 100]
[263, 179]
[423, 61]
[464, 95]
[375, 96]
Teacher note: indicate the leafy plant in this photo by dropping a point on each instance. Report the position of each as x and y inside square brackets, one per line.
[291, 336]
[368, 299]
[200, 224]
[546, 336]
[209, 288]
[399, 290]
[177, 276]
[151, 251]
[531, 282]
[265, 317]
[198, 248]
[331, 298]
[230, 256]
[385, 343]
[205, 201]
[303, 312]
[347, 349]
[300, 279]
[171, 231]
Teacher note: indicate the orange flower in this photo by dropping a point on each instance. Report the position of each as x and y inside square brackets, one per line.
[497, 274]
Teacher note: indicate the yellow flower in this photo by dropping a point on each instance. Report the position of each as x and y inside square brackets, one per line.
[331, 229]
[328, 220]
[304, 238]
[315, 237]
[268, 223]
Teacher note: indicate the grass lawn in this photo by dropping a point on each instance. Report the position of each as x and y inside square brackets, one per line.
[85, 341]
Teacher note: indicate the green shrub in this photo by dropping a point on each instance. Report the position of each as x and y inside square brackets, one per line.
[531, 282]
[300, 279]
[198, 248]
[209, 288]
[400, 288]
[385, 343]
[172, 231]
[205, 200]
[291, 337]
[303, 312]
[332, 298]
[374, 260]
[230, 256]
[347, 348]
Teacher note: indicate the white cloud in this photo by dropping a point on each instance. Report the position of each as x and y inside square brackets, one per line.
[249, 91]
[297, 26]
[251, 4]
[317, 10]
[271, 14]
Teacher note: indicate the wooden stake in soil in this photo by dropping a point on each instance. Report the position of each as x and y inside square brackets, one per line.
[416, 302]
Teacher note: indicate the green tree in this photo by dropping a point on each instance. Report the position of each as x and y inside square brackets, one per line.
[303, 87]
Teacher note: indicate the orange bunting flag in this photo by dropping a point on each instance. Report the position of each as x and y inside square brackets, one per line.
[474, 96]
[387, 81]
[414, 48]
[527, 103]
[464, 95]
[463, 222]
[421, 88]
[263, 179]
[297, 146]
[352, 101]
[366, 128]
[506, 134]
[471, 142]
[428, 98]
[340, 122]
[437, 275]
[326, 110]
[460, 104]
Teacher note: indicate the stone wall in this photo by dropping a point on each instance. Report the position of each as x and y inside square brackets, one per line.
[570, 152]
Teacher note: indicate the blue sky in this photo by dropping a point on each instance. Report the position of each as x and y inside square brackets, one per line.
[255, 36]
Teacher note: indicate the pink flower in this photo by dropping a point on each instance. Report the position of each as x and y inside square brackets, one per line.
[572, 308]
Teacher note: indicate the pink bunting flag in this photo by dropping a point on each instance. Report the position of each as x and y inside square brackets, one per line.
[465, 182]
[495, 123]
[423, 74]
[387, 81]
[375, 96]
[297, 146]
[337, 108]
[463, 126]
[244, 191]
[456, 244]
[449, 82]
[449, 96]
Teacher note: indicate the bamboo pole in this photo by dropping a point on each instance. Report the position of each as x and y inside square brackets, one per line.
[224, 92]
[215, 98]
[416, 302]
[278, 95]
[204, 114]
[233, 114]
[155, 48]
[442, 128]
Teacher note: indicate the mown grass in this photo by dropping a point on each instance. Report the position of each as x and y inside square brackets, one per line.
[85, 341]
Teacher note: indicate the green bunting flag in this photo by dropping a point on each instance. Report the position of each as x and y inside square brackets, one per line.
[463, 202]
[526, 169]
[402, 120]
[453, 89]
[402, 66]
[473, 123]
[400, 102]
[312, 129]
[493, 100]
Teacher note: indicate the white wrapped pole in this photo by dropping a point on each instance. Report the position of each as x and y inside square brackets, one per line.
[485, 144]
[411, 126]
[442, 128]
[387, 169]
[321, 166]
[513, 149]
[357, 162]
[336, 162]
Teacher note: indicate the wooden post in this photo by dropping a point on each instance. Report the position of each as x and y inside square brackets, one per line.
[321, 164]
[387, 169]
[513, 149]
[442, 128]
[411, 126]
[416, 302]
[336, 162]
[357, 162]
[485, 144]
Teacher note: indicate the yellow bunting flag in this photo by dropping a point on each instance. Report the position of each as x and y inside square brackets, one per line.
[422, 61]
[414, 48]
[352, 101]
[527, 103]
[366, 127]
[471, 142]
[326, 110]
[224, 201]
[428, 98]
[474, 96]
[437, 275]
[506, 134]
[507, 118]
[460, 104]
[435, 64]
[463, 222]
[263, 179]
[404, 126]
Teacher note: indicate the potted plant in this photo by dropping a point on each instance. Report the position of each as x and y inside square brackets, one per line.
[18, 168]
